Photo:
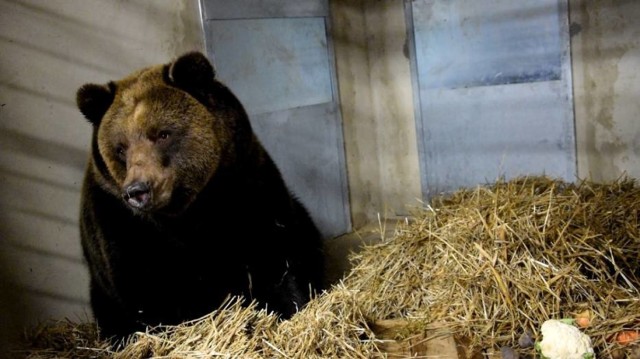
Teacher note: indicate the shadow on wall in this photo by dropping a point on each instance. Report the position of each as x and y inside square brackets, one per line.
[49, 49]
[105, 39]
[41, 270]
[14, 141]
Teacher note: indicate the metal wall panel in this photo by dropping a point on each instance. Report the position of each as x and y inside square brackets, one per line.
[277, 58]
[492, 42]
[494, 96]
[272, 64]
[475, 135]
[303, 143]
[249, 9]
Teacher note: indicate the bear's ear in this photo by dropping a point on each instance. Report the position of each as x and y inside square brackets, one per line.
[191, 72]
[94, 101]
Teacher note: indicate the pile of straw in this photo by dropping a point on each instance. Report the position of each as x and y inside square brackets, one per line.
[487, 264]
[330, 327]
[495, 262]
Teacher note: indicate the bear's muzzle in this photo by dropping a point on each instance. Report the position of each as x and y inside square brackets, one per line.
[138, 195]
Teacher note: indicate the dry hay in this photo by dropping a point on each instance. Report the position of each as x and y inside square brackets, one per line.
[496, 261]
[329, 327]
[487, 264]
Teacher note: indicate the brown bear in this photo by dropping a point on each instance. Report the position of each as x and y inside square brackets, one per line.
[182, 206]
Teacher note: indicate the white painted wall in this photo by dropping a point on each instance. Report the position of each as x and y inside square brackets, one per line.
[49, 49]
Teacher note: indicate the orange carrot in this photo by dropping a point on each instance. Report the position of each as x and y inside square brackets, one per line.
[583, 319]
[627, 337]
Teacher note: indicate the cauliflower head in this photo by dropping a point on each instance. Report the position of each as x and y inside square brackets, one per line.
[564, 341]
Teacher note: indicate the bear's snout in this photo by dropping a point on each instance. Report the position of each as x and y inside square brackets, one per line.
[138, 195]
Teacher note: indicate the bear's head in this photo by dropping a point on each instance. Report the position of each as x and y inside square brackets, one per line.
[161, 133]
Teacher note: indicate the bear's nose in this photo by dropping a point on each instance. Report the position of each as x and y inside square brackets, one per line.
[137, 195]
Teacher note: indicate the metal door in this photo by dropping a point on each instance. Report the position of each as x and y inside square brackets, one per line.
[493, 83]
[275, 55]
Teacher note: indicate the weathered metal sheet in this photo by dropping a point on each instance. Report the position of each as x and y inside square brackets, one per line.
[277, 58]
[303, 142]
[494, 98]
[272, 64]
[476, 135]
[485, 43]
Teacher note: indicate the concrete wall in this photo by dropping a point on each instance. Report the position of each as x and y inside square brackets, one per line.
[374, 80]
[49, 49]
[606, 62]
[377, 108]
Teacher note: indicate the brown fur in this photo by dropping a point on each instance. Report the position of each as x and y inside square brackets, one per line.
[145, 95]
[214, 219]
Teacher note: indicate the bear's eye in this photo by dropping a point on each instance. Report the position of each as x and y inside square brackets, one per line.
[121, 152]
[164, 135]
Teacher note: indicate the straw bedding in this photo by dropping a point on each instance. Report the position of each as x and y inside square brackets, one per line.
[488, 264]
